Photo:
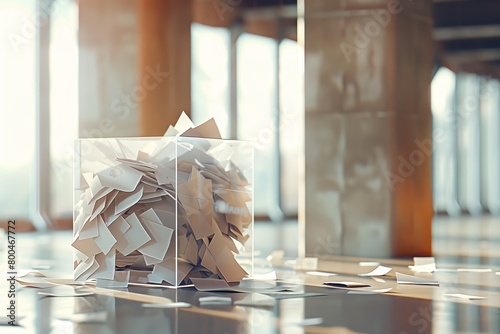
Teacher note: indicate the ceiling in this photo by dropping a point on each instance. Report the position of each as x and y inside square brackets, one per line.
[466, 34]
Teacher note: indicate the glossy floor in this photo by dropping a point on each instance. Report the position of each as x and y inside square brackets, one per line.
[463, 243]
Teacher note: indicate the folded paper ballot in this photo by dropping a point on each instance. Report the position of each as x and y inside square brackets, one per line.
[169, 208]
[347, 284]
[414, 280]
[379, 271]
[168, 305]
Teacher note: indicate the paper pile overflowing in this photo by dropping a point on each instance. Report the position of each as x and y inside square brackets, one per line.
[172, 207]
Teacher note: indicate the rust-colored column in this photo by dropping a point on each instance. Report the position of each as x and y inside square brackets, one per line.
[164, 63]
[368, 138]
[108, 80]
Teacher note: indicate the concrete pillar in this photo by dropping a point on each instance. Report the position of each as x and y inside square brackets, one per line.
[368, 140]
[134, 64]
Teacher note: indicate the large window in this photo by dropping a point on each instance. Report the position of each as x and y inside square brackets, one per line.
[490, 139]
[466, 156]
[17, 106]
[210, 79]
[444, 158]
[266, 102]
[257, 115]
[63, 105]
[21, 69]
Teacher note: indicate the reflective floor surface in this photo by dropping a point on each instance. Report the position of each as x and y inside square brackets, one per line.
[404, 309]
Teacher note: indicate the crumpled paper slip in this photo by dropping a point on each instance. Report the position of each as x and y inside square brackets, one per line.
[174, 207]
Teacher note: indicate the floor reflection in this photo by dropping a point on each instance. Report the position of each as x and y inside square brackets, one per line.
[472, 242]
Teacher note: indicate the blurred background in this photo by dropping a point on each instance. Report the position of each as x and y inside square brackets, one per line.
[375, 122]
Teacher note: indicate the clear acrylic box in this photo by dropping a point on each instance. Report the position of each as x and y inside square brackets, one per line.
[162, 210]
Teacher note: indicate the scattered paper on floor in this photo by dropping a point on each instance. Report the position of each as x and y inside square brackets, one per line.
[379, 271]
[414, 280]
[346, 284]
[423, 265]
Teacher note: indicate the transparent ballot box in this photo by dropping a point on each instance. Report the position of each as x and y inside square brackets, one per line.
[162, 210]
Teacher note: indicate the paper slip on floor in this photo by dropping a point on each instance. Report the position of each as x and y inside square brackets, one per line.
[463, 296]
[379, 271]
[347, 285]
[423, 265]
[217, 285]
[414, 280]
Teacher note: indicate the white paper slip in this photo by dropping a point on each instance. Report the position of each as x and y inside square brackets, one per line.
[347, 284]
[369, 264]
[474, 270]
[309, 322]
[463, 296]
[423, 265]
[23, 273]
[425, 268]
[320, 273]
[498, 273]
[420, 261]
[66, 291]
[168, 305]
[35, 282]
[414, 280]
[377, 279]
[379, 271]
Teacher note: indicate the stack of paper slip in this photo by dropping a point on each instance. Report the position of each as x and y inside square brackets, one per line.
[176, 207]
